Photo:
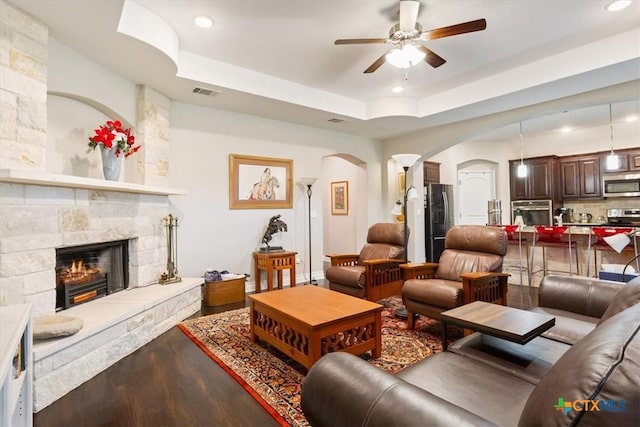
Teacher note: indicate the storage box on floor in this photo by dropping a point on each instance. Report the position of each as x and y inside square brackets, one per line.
[229, 289]
[617, 272]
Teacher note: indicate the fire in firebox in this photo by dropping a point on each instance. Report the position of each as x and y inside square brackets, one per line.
[77, 273]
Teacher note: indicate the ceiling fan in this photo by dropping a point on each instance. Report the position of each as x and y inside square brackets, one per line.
[406, 36]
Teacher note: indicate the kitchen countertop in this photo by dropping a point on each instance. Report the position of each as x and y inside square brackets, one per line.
[576, 228]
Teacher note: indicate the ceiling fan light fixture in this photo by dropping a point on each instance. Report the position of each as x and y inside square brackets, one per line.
[405, 57]
[397, 89]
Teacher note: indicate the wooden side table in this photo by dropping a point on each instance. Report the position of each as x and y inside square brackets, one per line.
[275, 261]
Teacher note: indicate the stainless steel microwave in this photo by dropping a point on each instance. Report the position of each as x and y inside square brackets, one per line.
[621, 185]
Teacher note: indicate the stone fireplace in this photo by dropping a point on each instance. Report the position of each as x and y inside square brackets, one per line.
[46, 221]
[44, 211]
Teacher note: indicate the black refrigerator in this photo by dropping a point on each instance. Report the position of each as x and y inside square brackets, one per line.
[438, 218]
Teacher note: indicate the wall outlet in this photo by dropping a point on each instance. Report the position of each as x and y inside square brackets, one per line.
[298, 260]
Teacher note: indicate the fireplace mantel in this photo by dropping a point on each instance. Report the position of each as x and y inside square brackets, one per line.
[22, 176]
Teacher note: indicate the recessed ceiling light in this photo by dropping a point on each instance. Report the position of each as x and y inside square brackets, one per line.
[566, 129]
[203, 21]
[397, 89]
[632, 118]
[617, 5]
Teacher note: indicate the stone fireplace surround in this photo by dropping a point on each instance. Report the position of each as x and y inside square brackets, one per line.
[40, 212]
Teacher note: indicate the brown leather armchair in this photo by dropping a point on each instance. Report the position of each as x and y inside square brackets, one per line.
[469, 269]
[375, 272]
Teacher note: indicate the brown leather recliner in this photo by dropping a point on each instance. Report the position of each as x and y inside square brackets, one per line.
[469, 269]
[375, 272]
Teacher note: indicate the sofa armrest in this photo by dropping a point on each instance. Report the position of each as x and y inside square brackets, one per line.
[577, 294]
[425, 270]
[343, 259]
[343, 390]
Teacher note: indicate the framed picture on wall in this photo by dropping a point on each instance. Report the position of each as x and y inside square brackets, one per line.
[260, 182]
[340, 198]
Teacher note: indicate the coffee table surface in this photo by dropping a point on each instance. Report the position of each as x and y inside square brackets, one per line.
[509, 323]
[314, 305]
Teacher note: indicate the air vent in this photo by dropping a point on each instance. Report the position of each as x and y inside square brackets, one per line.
[204, 91]
[336, 120]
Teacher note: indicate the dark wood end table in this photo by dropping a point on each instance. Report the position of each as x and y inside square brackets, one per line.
[512, 324]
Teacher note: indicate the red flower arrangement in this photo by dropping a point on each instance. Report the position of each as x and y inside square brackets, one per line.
[112, 137]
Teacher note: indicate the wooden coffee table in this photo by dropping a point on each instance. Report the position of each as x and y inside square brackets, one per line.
[307, 322]
[508, 323]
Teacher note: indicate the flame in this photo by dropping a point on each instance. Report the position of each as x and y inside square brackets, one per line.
[78, 272]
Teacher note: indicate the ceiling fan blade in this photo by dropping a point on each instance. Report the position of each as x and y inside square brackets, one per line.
[431, 57]
[378, 62]
[454, 30]
[408, 15]
[359, 41]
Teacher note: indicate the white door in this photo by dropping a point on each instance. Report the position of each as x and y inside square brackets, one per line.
[475, 189]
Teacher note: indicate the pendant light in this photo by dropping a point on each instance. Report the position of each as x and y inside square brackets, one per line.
[522, 168]
[613, 161]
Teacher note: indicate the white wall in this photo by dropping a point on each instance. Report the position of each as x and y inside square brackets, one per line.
[211, 234]
[351, 228]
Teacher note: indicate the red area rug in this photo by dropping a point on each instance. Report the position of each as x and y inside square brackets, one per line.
[274, 380]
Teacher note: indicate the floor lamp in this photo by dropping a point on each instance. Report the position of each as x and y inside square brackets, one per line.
[406, 161]
[308, 182]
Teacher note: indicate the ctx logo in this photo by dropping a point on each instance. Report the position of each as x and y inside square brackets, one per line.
[589, 405]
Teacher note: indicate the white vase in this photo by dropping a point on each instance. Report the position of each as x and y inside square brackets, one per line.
[110, 163]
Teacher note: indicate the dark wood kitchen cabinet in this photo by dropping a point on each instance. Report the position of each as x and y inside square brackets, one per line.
[541, 181]
[634, 160]
[431, 172]
[580, 177]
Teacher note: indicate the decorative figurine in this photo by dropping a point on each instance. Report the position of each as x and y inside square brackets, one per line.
[275, 225]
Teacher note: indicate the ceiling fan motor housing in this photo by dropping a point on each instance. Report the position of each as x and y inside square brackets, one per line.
[396, 35]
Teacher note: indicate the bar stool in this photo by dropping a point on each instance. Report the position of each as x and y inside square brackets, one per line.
[596, 241]
[553, 236]
[514, 237]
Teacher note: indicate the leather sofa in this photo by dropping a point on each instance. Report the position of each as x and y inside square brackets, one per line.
[486, 381]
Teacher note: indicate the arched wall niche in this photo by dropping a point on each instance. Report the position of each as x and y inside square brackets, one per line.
[71, 120]
[345, 233]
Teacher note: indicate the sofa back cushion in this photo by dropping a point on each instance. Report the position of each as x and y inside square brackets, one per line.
[581, 295]
[602, 369]
[626, 297]
[477, 238]
[470, 249]
[392, 234]
[454, 262]
[380, 251]
[384, 241]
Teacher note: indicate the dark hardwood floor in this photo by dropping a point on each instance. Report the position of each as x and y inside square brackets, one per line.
[171, 382]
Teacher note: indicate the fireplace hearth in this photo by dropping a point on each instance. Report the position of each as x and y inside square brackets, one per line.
[87, 272]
